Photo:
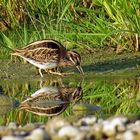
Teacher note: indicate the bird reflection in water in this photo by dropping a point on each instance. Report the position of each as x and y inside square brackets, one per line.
[51, 100]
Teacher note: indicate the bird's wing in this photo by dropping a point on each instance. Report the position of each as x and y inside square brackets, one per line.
[43, 55]
[44, 44]
[34, 45]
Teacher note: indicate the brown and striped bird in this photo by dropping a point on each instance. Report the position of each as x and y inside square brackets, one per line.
[49, 54]
[51, 101]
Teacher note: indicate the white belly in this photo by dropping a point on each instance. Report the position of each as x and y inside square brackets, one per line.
[47, 65]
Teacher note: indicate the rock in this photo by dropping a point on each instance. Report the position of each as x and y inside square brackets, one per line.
[4, 131]
[20, 133]
[13, 125]
[114, 125]
[55, 124]
[108, 129]
[87, 128]
[128, 135]
[11, 138]
[68, 131]
[29, 127]
[87, 121]
[97, 130]
[137, 122]
[38, 134]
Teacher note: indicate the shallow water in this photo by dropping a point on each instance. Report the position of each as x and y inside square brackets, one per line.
[38, 100]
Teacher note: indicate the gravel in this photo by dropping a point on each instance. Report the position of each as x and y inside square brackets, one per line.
[86, 128]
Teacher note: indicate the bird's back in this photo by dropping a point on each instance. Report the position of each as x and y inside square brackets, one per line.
[42, 51]
[46, 44]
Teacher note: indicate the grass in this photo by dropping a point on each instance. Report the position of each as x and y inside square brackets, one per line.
[78, 25]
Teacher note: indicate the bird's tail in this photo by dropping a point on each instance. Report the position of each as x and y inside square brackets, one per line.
[17, 52]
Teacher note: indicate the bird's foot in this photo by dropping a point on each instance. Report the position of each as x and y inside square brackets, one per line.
[61, 74]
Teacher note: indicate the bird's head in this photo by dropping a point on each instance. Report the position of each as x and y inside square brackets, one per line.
[74, 59]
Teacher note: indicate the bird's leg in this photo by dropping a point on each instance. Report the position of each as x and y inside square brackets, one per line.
[58, 69]
[41, 83]
[40, 73]
[55, 69]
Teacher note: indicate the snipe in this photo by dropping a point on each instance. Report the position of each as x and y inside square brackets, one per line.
[49, 54]
[51, 101]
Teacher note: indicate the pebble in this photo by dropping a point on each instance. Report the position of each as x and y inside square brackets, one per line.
[11, 138]
[87, 121]
[12, 125]
[29, 127]
[55, 124]
[38, 134]
[116, 124]
[128, 135]
[4, 131]
[86, 128]
[68, 131]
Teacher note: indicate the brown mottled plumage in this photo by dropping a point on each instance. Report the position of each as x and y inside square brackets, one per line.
[51, 101]
[48, 54]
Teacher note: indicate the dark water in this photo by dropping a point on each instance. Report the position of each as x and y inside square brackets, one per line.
[37, 100]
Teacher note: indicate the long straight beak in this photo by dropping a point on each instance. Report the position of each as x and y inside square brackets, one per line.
[80, 69]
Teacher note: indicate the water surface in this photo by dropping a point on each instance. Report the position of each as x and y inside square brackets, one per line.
[107, 96]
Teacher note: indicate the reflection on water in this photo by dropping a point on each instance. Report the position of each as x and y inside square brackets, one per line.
[50, 100]
[31, 101]
[85, 108]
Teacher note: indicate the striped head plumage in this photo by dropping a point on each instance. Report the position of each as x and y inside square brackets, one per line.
[75, 60]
